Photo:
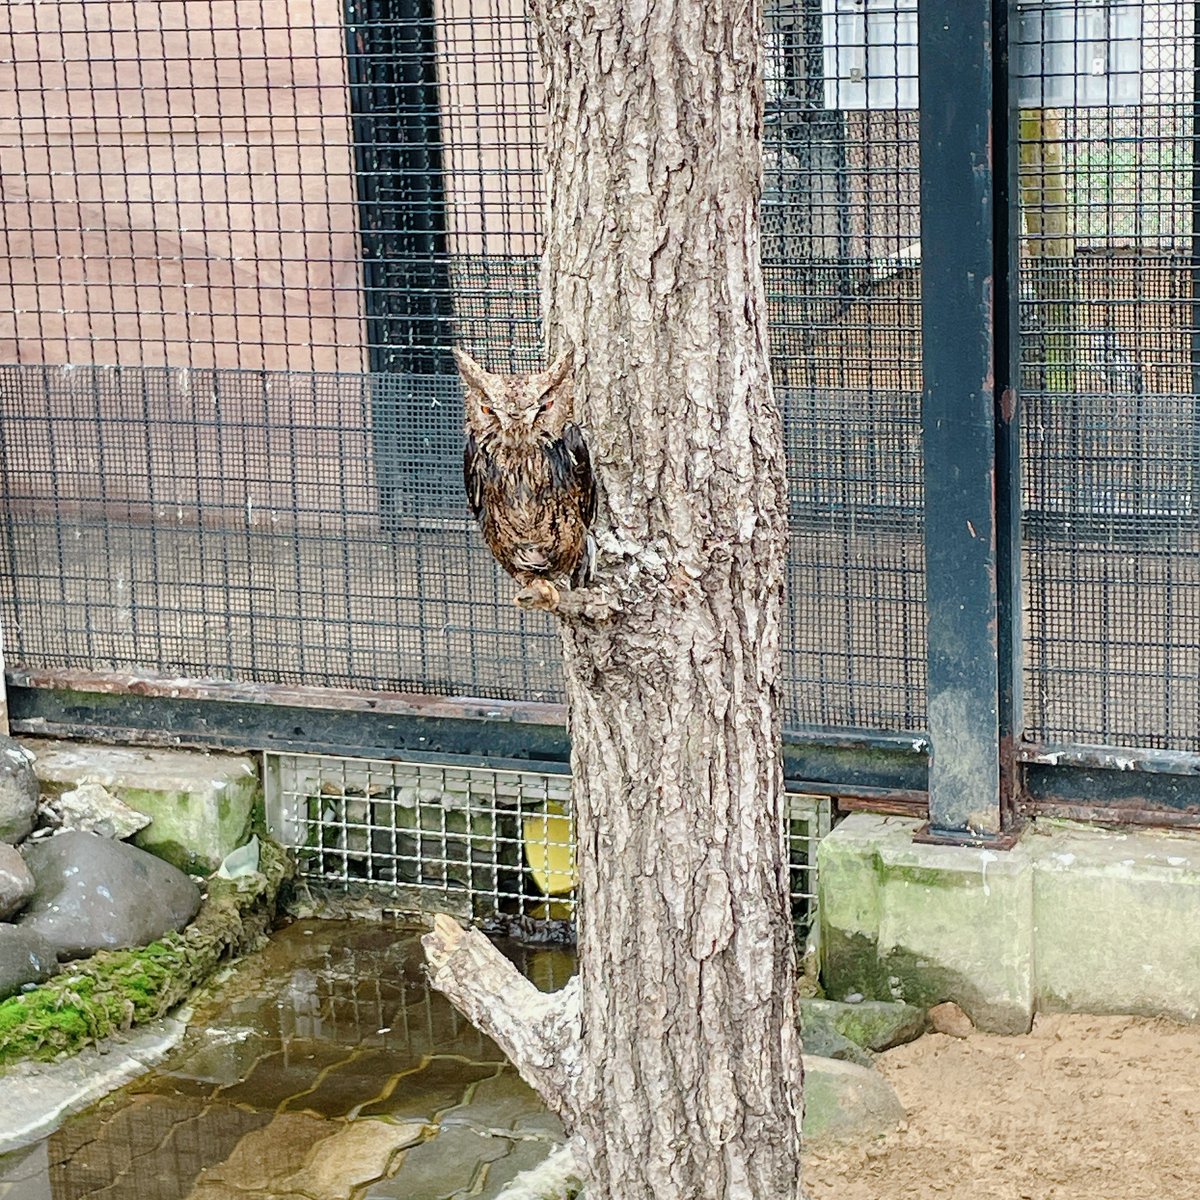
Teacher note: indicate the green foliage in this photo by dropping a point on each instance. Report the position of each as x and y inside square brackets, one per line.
[110, 992]
[117, 989]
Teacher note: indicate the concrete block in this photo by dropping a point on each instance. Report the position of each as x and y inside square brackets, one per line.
[1115, 920]
[199, 804]
[849, 876]
[1073, 919]
[923, 924]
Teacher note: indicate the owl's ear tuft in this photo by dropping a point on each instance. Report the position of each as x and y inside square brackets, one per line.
[473, 375]
[559, 369]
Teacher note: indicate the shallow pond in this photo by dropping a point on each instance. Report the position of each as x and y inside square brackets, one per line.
[323, 1068]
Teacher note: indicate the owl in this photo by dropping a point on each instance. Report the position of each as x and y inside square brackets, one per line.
[528, 476]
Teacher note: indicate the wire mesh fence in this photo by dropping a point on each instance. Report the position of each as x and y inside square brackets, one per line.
[230, 426]
[1111, 355]
[238, 240]
[477, 842]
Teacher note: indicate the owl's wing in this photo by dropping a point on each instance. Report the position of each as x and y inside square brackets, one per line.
[473, 468]
[581, 470]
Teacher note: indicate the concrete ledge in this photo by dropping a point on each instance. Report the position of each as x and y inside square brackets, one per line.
[923, 924]
[1072, 919]
[37, 1097]
[1116, 921]
[200, 804]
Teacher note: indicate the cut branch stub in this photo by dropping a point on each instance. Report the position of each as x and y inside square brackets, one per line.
[538, 1032]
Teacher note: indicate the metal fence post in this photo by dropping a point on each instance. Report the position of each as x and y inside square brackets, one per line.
[399, 169]
[1193, 500]
[4, 726]
[969, 416]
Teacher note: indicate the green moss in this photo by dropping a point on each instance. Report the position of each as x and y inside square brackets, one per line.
[853, 964]
[177, 854]
[935, 877]
[850, 963]
[878, 1025]
[116, 989]
[258, 817]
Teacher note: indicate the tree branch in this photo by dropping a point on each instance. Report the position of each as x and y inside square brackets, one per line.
[538, 1031]
[630, 572]
[589, 604]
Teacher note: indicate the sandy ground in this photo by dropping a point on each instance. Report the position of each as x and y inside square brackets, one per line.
[1083, 1108]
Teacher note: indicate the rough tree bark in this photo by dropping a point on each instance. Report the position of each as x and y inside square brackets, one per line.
[675, 1058]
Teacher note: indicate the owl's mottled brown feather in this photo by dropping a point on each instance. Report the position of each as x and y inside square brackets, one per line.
[528, 474]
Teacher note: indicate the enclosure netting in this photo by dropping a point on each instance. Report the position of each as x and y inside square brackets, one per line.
[239, 237]
[1110, 187]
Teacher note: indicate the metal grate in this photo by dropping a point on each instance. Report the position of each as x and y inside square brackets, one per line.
[809, 819]
[480, 842]
[841, 258]
[1111, 379]
[237, 242]
[473, 841]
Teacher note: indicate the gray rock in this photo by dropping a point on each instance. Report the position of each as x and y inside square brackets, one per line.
[820, 1038]
[96, 894]
[872, 1024]
[843, 1100]
[25, 957]
[91, 808]
[18, 791]
[16, 881]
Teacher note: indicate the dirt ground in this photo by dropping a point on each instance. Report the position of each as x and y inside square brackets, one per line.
[1083, 1108]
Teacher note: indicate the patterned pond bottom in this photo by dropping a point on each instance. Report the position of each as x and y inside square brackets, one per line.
[323, 1068]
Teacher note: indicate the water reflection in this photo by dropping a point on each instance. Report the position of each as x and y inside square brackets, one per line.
[324, 1067]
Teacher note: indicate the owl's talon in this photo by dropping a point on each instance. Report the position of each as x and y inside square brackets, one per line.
[539, 595]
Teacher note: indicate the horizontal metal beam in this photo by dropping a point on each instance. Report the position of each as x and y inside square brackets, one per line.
[408, 704]
[149, 710]
[893, 802]
[1109, 758]
[848, 764]
[860, 770]
[1109, 795]
[1110, 813]
[481, 735]
[1112, 784]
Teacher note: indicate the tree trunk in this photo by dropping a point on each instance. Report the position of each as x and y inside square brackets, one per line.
[686, 1082]
[690, 1079]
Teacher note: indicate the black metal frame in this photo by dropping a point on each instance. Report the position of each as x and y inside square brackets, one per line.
[972, 514]
[885, 773]
[400, 179]
[1195, 247]
[856, 766]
